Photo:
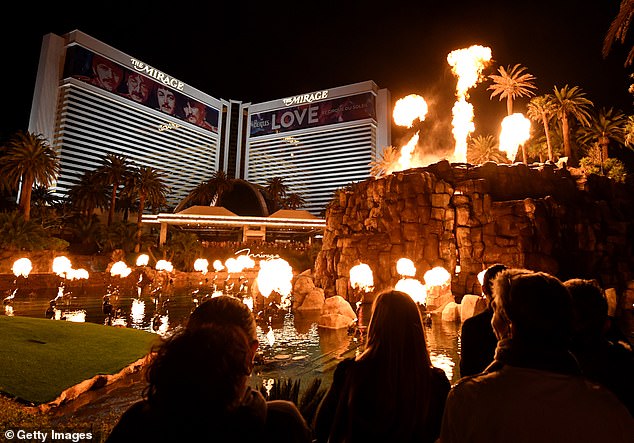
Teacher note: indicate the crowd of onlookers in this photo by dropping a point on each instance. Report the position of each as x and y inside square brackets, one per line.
[541, 364]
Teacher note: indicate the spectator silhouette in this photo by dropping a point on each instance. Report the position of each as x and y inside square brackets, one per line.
[477, 339]
[603, 361]
[533, 391]
[391, 392]
[198, 386]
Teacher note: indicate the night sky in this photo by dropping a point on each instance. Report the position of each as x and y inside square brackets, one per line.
[259, 51]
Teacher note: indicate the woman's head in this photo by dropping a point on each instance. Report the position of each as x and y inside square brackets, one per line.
[395, 325]
[224, 310]
[200, 369]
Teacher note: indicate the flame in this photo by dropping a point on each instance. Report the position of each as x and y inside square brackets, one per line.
[248, 301]
[120, 269]
[275, 275]
[232, 265]
[142, 260]
[164, 265]
[467, 64]
[361, 277]
[61, 265]
[218, 266]
[413, 288]
[22, 267]
[515, 130]
[245, 262]
[405, 267]
[201, 265]
[77, 274]
[437, 276]
[408, 109]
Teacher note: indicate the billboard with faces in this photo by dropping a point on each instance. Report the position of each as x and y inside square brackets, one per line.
[92, 68]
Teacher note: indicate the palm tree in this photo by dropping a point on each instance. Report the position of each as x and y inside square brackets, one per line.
[277, 189]
[512, 83]
[571, 102]
[384, 166]
[607, 126]
[149, 185]
[208, 192]
[294, 200]
[29, 159]
[618, 30]
[113, 171]
[88, 194]
[482, 149]
[629, 131]
[542, 109]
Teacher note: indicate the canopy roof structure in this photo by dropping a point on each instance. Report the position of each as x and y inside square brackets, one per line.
[217, 220]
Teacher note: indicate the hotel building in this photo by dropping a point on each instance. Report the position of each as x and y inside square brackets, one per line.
[92, 100]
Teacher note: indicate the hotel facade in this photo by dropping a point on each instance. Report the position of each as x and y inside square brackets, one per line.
[91, 100]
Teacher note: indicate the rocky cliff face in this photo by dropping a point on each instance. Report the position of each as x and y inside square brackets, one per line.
[465, 218]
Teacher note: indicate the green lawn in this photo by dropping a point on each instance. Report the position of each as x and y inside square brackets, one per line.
[39, 358]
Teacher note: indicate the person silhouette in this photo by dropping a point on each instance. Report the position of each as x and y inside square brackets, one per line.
[198, 386]
[477, 339]
[391, 392]
[534, 390]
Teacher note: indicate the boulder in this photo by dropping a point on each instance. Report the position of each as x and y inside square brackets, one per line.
[451, 312]
[313, 301]
[336, 313]
[334, 321]
[471, 305]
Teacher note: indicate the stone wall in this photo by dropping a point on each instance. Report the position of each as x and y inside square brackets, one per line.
[465, 218]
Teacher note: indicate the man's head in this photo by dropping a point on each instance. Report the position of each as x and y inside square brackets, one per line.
[108, 74]
[138, 87]
[487, 279]
[194, 112]
[166, 100]
[589, 305]
[531, 307]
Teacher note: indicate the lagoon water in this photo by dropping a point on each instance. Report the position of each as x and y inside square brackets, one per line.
[292, 347]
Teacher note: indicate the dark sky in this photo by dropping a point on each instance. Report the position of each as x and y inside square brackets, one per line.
[261, 51]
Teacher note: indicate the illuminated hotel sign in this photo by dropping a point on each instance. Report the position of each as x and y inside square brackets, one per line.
[310, 115]
[306, 98]
[156, 74]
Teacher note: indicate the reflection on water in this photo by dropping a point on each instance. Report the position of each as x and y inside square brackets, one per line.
[291, 347]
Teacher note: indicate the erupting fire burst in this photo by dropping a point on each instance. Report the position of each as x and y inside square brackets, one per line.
[120, 269]
[437, 276]
[361, 277]
[413, 288]
[275, 275]
[22, 267]
[142, 260]
[63, 267]
[201, 265]
[164, 265]
[218, 266]
[405, 267]
[467, 64]
[515, 131]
